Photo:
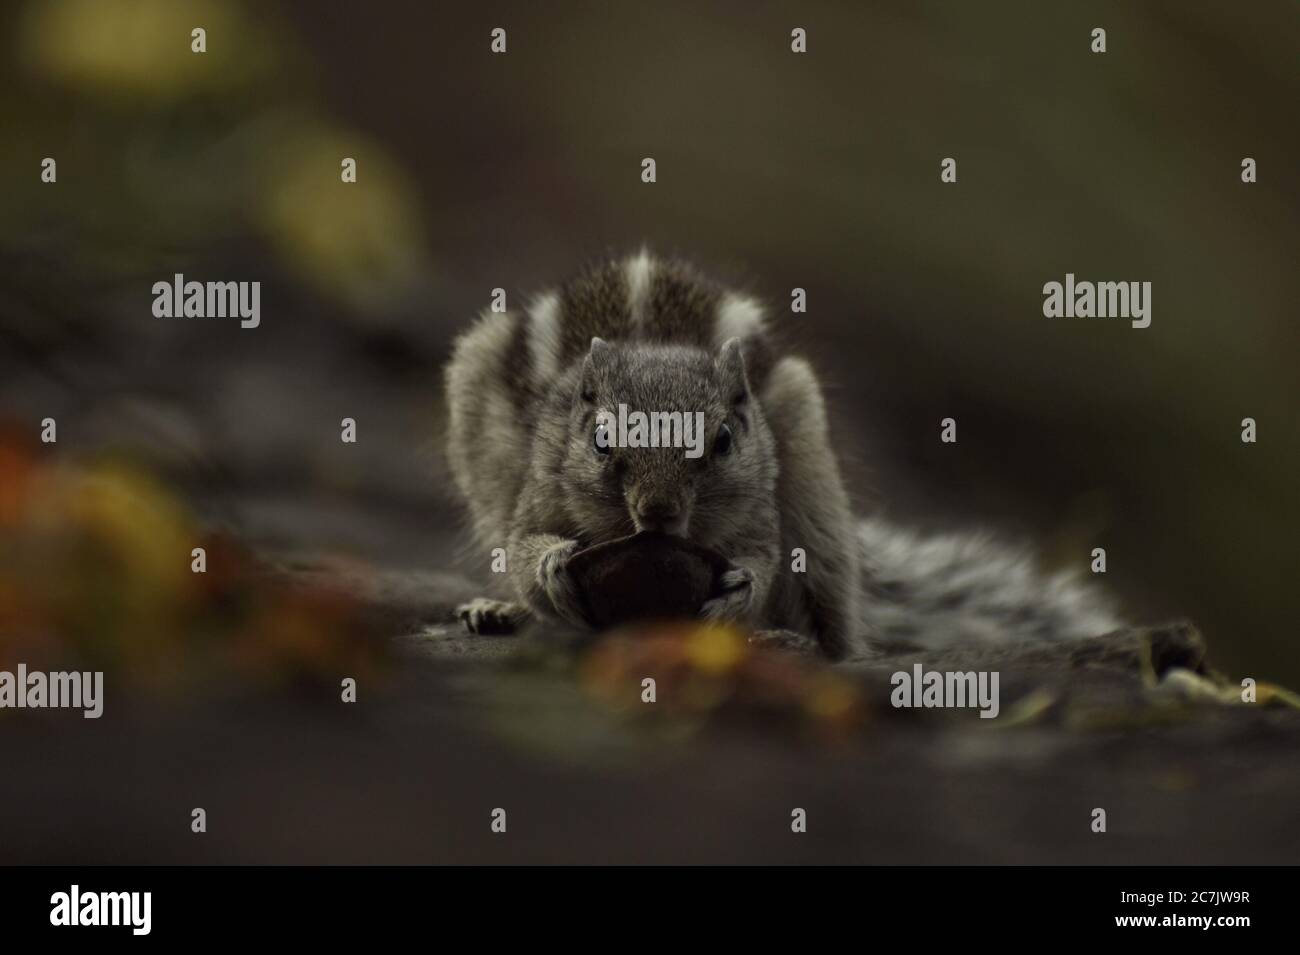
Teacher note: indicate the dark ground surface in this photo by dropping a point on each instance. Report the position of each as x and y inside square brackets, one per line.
[456, 726]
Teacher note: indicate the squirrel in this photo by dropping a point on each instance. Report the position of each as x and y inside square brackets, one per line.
[526, 390]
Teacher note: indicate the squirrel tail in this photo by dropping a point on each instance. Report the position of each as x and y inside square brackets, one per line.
[930, 592]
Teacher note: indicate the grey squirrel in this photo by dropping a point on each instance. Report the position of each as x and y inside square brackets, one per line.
[525, 388]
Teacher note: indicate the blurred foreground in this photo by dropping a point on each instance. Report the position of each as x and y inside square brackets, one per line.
[243, 716]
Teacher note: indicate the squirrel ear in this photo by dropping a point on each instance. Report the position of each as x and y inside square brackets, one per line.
[731, 369]
[596, 358]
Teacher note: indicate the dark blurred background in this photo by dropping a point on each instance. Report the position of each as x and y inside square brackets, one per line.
[775, 170]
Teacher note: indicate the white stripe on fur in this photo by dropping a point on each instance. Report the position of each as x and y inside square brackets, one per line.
[738, 317]
[544, 335]
[639, 270]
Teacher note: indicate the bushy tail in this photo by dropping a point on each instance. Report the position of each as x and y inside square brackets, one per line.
[938, 591]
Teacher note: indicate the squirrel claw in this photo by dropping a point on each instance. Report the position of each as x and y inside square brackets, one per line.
[486, 617]
[735, 598]
[788, 641]
[558, 585]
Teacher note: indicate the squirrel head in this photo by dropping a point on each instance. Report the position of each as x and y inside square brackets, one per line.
[666, 438]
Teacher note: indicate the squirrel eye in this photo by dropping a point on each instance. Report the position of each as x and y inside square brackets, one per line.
[722, 444]
[600, 439]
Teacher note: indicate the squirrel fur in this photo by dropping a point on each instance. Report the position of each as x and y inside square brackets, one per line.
[524, 389]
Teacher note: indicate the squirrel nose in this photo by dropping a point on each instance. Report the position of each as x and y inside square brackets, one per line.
[658, 511]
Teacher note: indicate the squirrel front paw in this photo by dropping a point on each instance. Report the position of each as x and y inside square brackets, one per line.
[736, 596]
[558, 585]
[487, 617]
